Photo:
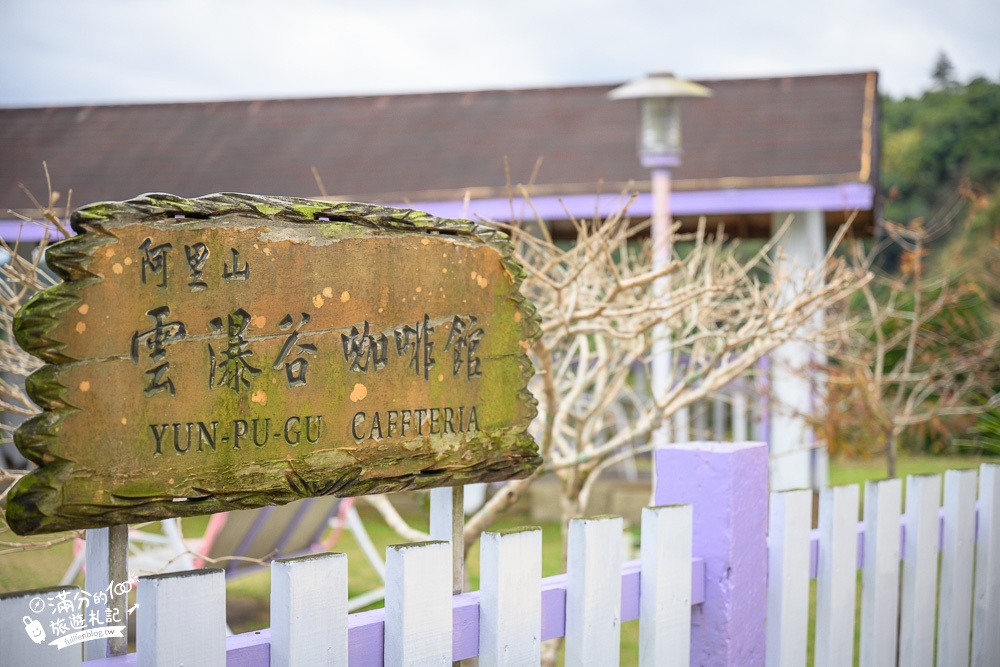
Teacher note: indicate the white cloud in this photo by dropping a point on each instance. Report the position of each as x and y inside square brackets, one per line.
[63, 51]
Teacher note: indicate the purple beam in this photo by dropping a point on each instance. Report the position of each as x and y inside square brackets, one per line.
[726, 484]
[814, 541]
[13, 231]
[842, 197]
[365, 630]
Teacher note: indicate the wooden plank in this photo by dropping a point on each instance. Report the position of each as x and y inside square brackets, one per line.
[880, 573]
[236, 351]
[957, 550]
[665, 594]
[789, 524]
[418, 623]
[182, 619]
[593, 591]
[920, 563]
[986, 614]
[29, 621]
[106, 556]
[309, 611]
[836, 579]
[510, 605]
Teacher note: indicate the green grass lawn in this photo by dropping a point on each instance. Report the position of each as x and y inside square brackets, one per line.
[247, 596]
[857, 471]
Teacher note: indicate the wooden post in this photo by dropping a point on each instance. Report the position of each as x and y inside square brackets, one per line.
[448, 525]
[107, 555]
[726, 483]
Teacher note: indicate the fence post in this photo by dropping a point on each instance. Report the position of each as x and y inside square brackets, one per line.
[309, 611]
[593, 591]
[28, 625]
[182, 619]
[726, 485]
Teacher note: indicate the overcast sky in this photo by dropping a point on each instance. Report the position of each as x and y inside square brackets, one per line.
[111, 51]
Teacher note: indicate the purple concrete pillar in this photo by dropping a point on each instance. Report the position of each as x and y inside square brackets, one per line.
[726, 483]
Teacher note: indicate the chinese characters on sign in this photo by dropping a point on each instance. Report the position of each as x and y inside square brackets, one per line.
[231, 366]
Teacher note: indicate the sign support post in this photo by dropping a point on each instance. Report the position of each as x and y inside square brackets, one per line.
[107, 555]
[448, 525]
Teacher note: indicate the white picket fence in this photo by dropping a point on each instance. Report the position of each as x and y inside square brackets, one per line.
[723, 580]
[898, 556]
[181, 617]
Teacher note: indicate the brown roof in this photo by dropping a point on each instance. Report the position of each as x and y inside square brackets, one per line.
[800, 130]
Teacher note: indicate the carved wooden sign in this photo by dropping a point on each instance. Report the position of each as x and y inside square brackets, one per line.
[237, 351]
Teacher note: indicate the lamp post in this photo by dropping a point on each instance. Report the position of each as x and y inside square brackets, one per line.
[659, 151]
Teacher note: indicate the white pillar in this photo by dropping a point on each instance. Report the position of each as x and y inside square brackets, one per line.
[662, 361]
[662, 356]
[795, 464]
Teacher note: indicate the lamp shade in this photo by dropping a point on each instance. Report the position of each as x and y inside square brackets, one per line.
[659, 84]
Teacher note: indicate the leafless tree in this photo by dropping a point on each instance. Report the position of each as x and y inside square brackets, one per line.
[604, 311]
[917, 348]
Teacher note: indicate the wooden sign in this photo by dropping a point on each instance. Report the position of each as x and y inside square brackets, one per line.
[237, 351]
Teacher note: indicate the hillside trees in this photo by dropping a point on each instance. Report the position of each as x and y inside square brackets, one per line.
[934, 143]
[921, 359]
